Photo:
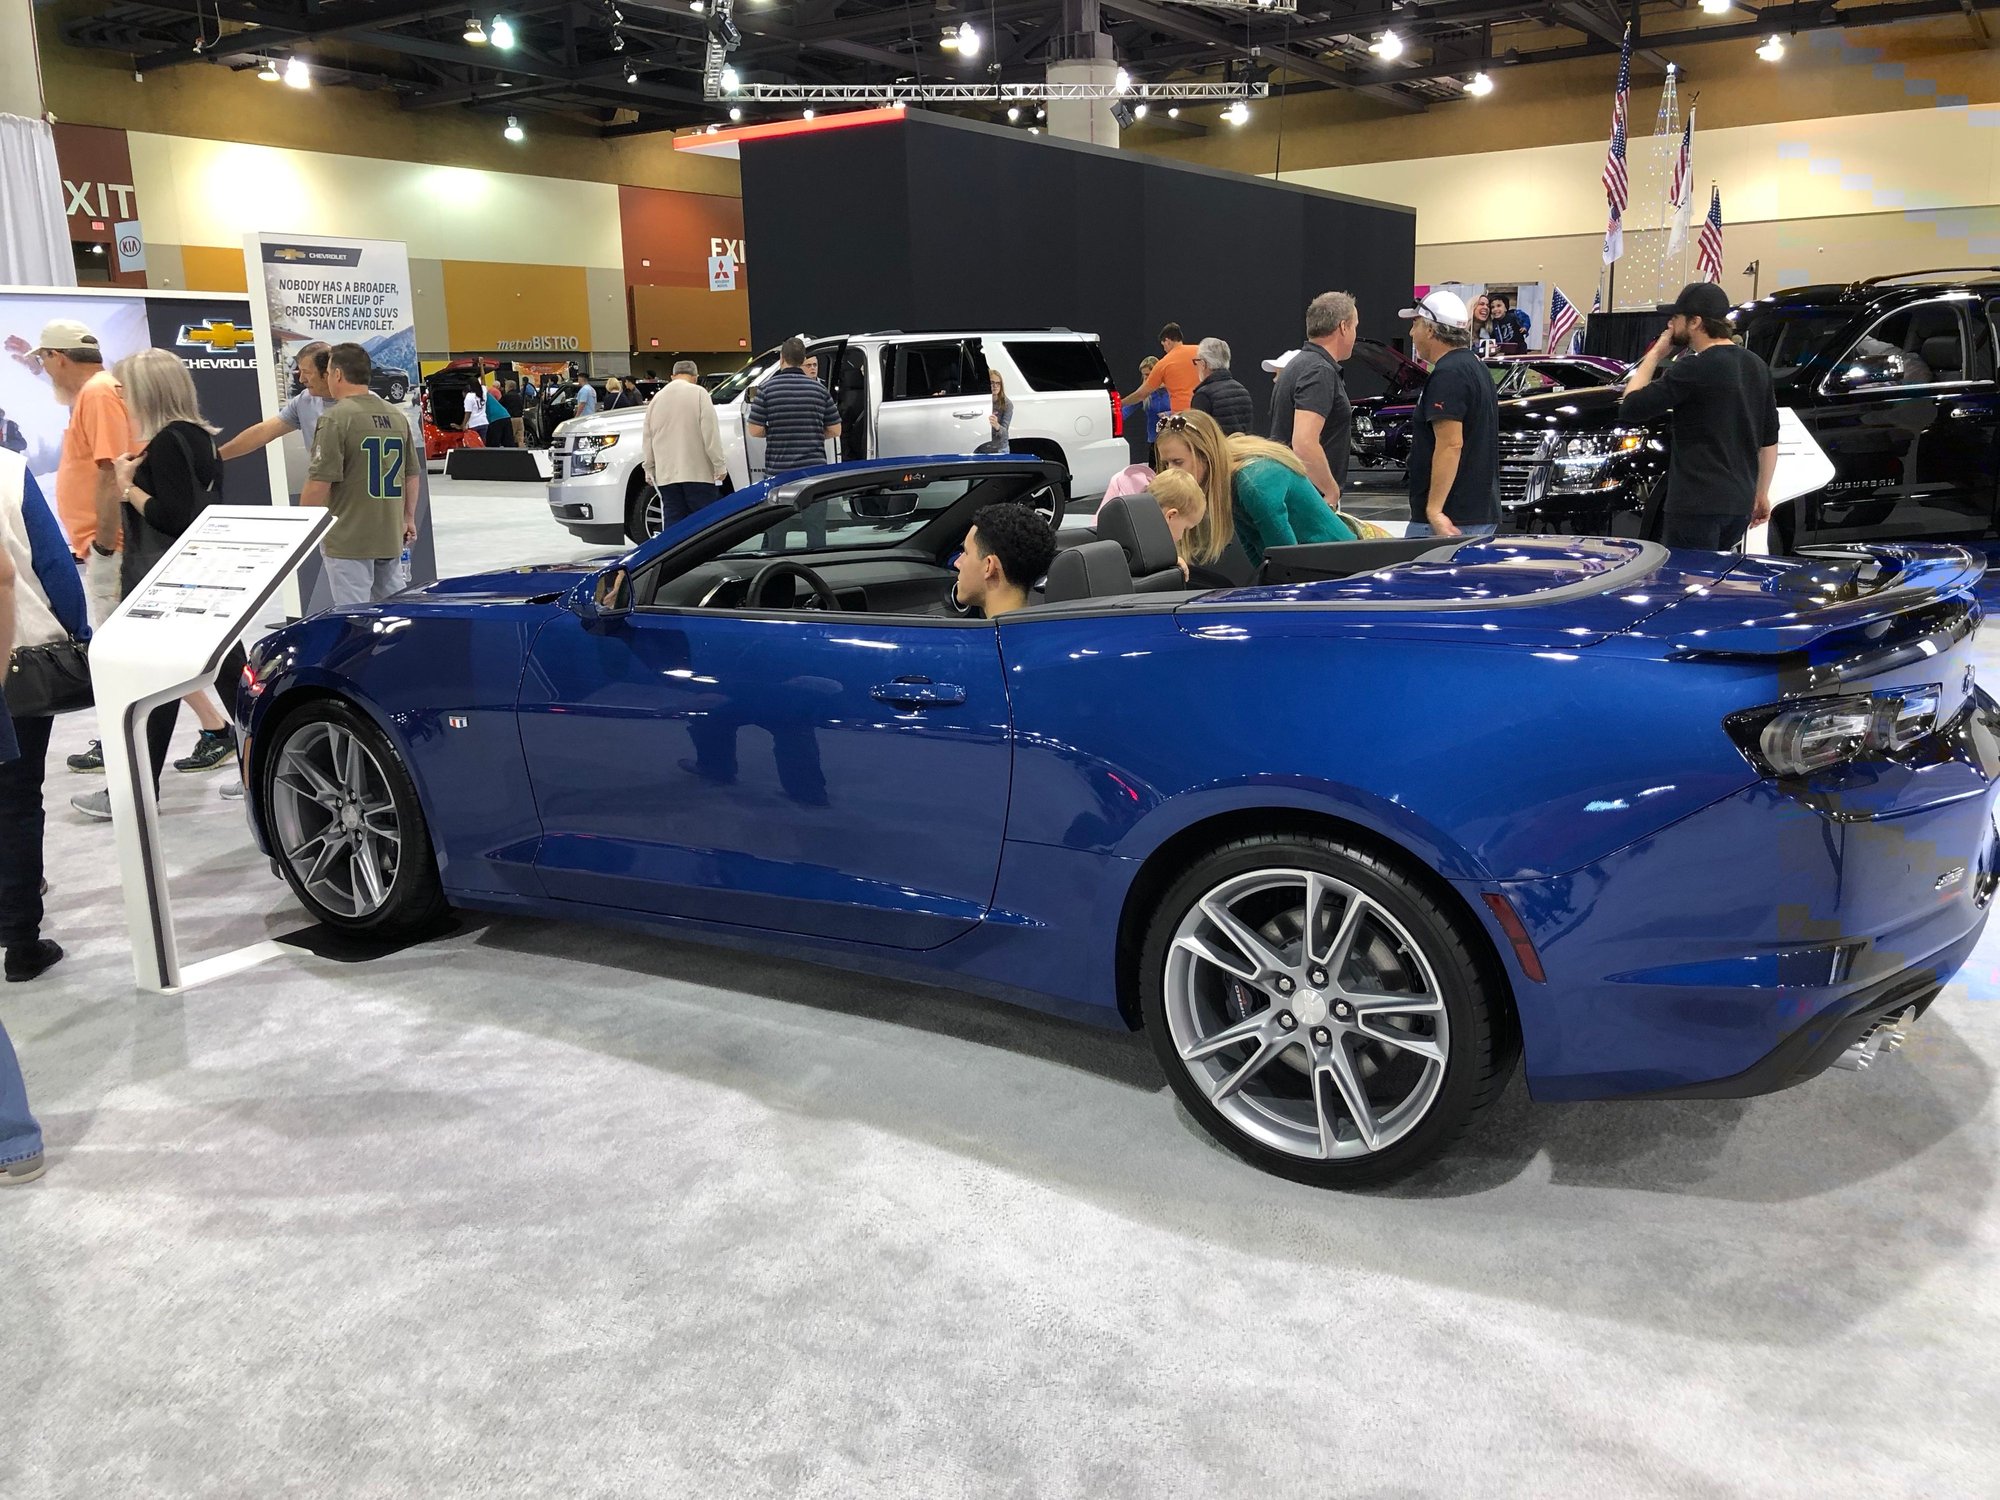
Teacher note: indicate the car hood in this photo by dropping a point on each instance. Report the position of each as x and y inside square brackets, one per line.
[510, 585]
[1583, 409]
[625, 419]
[1396, 369]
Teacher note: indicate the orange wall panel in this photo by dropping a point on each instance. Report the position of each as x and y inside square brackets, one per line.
[669, 236]
[689, 320]
[488, 304]
[213, 268]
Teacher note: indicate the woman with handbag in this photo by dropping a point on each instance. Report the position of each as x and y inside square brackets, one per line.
[163, 487]
[47, 674]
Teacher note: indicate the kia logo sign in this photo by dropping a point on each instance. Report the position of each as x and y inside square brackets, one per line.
[128, 246]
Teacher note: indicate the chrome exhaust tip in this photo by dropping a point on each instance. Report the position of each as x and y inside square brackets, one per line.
[1886, 1035]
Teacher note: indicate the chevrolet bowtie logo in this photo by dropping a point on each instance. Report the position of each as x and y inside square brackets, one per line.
[288, 253]
[219, 335]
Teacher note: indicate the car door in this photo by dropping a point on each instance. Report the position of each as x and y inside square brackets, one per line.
[830, 775]
[935, 398]
[1910, 431]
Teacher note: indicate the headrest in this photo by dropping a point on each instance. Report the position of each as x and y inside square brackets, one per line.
[1096, 570]
[1139, 527]
[1942, 353]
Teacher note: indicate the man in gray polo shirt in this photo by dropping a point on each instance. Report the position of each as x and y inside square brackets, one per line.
[300, 414]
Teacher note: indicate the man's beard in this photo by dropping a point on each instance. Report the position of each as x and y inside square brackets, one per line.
[1682, 339]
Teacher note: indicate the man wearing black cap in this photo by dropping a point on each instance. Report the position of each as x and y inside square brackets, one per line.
[1725, 422]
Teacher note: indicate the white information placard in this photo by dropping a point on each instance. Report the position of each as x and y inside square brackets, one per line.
[170, 634]
[1802, 468]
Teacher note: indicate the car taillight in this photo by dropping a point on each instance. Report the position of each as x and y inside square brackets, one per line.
[1117, 414]
[1802, 738]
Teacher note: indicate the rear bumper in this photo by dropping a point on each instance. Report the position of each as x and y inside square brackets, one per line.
[1730, 953]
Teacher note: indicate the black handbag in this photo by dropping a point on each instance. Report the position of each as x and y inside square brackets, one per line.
[51, 679]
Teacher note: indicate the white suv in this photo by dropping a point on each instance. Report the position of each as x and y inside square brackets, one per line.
[900, 395]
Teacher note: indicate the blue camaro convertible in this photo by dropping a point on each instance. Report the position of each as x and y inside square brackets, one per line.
[1346, 842]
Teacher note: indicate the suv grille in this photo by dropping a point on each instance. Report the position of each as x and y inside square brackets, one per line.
[1524, 468]
[558, 453]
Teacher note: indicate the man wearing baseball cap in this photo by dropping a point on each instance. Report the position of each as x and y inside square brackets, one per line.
[1454, 468]
[99, 432]
[1725, 445]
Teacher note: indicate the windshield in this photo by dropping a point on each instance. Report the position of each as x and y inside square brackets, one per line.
[743, 379]
[1788, 339]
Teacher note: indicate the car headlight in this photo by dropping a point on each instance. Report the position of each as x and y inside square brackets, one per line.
[594, 441]
[1364, 424]
[587, 453]
[1585, 461]
[1802, 738]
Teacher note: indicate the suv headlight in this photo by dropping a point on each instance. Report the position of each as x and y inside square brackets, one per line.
[586, 453]
[1584, 462]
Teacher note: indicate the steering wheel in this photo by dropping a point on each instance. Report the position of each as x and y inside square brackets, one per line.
[753, 597]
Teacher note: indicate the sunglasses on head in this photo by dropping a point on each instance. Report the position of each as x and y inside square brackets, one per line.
[1175, 421]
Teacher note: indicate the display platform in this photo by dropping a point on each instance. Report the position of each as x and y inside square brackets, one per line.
[498, 465]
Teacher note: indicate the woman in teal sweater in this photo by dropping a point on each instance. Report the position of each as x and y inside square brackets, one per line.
[1275, 504]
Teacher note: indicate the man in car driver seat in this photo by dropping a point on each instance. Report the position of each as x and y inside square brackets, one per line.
[1008, 548]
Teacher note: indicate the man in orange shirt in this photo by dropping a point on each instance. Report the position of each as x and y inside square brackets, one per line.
[99, 432]
[1175, 371]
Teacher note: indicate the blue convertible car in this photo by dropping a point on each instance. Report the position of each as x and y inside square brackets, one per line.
[1348, 842]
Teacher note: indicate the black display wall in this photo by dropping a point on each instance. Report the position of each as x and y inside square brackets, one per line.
[938, 223]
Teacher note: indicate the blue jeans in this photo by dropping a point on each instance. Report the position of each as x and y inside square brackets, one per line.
[1423, 528]
[20, 1135]
[679, 501]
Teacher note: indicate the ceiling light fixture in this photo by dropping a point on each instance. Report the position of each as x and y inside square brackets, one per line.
[809, 114]
[475, 31]
[1013, 114]
[269, 72]
[1174, 113]
[1388, 46]
[503, 33]
[514, 132]
[1122, 82]
[631, 71]
[297, 74]
[1139, 110]
[1479, 85]
[1041, 114]
[968, 40]
[1773, 48]
[1237, 113]
[696, 6]
[735, 112]
[731, 80]
[1716, 7]
[1034, 130]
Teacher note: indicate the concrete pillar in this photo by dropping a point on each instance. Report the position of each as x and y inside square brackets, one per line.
[1084, 119]
[20, 68]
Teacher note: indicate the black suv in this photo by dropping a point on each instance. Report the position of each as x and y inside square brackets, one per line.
[1893, 376]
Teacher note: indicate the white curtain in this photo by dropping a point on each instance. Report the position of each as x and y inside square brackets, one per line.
[34, 235]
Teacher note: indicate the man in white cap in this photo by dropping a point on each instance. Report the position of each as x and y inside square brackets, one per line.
[99, 433]
[1455, 441]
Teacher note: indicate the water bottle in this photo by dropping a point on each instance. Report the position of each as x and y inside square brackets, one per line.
[404, 560]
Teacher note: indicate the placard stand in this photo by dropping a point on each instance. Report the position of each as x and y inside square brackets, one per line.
[169, 635]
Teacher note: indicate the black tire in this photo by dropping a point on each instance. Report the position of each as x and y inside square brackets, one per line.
[1066, 489]
[398, 391]
[415, 902]
[1478, 1052]
[637, 492]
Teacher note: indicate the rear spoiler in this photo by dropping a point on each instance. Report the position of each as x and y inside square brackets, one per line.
[1885, 580]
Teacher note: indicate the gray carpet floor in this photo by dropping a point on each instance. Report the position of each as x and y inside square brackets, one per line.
[551, 1211]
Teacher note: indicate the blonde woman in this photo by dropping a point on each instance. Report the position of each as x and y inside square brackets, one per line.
[1192, 442]
[1276, 504]
[173, 476]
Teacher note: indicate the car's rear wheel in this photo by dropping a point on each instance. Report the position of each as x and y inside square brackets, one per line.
[1318, 1012]
[346, 826]
[398, 391]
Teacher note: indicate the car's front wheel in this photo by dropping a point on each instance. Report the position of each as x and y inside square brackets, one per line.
[398, 391]
[1318, 1012]
[346, 826]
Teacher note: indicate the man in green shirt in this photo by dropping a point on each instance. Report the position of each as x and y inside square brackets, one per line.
[360, 470]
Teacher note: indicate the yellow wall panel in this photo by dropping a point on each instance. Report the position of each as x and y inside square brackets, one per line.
[689, 320]
[488, 306]
[213, 268]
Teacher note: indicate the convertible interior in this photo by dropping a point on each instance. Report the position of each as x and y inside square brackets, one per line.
[887, 546]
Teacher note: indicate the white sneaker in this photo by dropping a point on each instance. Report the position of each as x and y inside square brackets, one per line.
[233, 789]
[95, 804]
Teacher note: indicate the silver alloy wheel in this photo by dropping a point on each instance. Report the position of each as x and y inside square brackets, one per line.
[1296, 966]
[335, 819]
[652, 519]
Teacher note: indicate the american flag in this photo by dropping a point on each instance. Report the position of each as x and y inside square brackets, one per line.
[1708, 249]
[1562, 319]
[1617, 186]
[1680, 191]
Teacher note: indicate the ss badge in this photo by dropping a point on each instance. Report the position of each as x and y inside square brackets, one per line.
[455, 721]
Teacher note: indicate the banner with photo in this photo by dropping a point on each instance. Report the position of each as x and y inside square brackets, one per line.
[211, 334]
[341, 291]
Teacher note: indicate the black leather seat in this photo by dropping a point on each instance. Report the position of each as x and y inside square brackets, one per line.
[1945, 355]
[1137, 525]
[1096, 570]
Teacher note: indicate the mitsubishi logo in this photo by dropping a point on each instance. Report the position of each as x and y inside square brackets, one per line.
[216, 334]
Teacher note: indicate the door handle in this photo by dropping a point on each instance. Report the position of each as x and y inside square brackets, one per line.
[1965, 413]
[965, 415]
[918, 692]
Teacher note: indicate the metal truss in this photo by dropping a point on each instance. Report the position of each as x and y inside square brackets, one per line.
[1269, 7]
[984, 93]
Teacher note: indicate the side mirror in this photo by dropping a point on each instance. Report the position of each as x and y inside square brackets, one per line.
[610, 595]
[884, 505]
[1866, 370]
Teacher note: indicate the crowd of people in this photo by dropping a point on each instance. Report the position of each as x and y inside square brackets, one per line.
[138, 465]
